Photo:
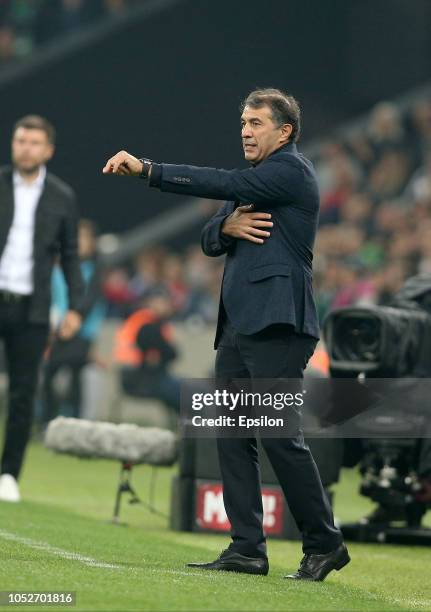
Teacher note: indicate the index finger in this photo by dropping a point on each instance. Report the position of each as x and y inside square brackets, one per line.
[108, 166]
[115, 162]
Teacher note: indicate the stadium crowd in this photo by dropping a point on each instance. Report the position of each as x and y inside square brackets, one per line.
[28, 24]
[375, 221]
[191, 279]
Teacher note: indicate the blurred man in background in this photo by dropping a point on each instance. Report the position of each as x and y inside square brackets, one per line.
[38, 220]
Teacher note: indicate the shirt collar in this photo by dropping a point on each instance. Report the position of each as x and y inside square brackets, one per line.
[19, 181]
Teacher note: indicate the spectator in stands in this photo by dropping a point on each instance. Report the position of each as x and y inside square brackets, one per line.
[117, 293]
[148, 273]
[7, 43]
[26, 23]
[389, 280]
[420, 123]
[173, 278]
[115, 8]
[74, 354]
[57, 18]
[419, 186]
[339, 175]
[423, 238]
[388, 177]
[385, 130]
[16, 28]
[357, 210]
[144, 350]
[203, 276]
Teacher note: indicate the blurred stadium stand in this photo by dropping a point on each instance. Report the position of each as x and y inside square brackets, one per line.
[178, 69]
[30, 25]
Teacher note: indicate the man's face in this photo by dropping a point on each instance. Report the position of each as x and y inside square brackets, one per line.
[30, 149]
[260, 135]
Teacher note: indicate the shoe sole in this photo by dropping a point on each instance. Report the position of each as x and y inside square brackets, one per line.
[232, 568]
[248, 570]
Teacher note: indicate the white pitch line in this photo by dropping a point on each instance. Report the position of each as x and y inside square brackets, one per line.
[65, 554]
[58, 552]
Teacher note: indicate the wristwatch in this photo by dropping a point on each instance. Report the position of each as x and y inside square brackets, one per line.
[146, 167]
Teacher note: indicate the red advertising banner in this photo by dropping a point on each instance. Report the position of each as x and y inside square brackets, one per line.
[210, 514]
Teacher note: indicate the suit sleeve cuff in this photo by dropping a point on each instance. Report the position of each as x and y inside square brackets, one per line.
[156, 175]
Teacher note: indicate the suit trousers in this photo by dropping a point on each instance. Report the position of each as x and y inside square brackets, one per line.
[275, 352]
[24, 345]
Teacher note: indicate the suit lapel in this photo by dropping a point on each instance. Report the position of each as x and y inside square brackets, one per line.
[42, 206]
[6, 206]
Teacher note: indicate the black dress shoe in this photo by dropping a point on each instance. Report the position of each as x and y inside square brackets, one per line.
[317, 567]
[230, 561]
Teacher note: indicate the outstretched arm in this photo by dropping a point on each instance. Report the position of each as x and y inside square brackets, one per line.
[272, 181]
[268, 182]
[227, 224]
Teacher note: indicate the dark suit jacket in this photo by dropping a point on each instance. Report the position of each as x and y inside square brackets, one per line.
[272, 282]
[55, 234]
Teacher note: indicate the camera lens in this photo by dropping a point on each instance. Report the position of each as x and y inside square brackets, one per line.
[356, 338]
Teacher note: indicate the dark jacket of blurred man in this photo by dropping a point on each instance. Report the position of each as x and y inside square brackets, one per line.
[268, 325]
[38, 221]
[145, 349]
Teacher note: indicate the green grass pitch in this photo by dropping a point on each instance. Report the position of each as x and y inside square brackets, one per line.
[59, 539]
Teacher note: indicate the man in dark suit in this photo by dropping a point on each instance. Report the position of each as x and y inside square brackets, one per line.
[267, 325]
[38, 222]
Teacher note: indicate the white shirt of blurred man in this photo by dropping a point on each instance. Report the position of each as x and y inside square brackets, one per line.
[16, 263]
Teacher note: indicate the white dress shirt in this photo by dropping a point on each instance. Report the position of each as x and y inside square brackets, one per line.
[16, 262]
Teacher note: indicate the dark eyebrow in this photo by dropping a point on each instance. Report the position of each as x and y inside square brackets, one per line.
[251, 119]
